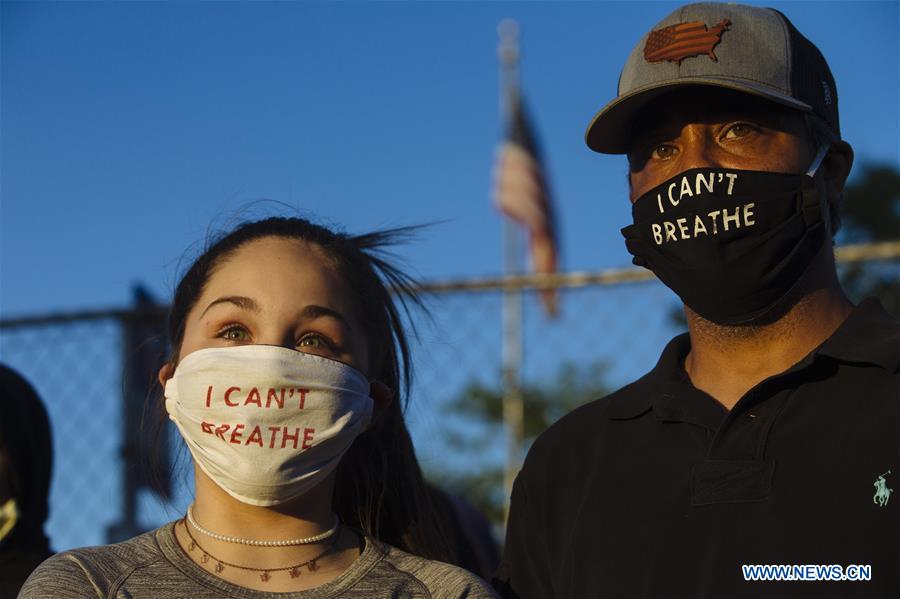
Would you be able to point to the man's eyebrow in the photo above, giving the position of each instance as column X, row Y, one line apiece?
column 244, row 303
column 656, row 131
column 313, row 311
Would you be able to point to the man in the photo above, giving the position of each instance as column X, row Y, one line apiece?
column 758, row 437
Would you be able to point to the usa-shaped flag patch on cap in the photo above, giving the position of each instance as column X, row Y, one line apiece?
column 684, row 40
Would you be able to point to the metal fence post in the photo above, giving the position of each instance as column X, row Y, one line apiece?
column 143, row 352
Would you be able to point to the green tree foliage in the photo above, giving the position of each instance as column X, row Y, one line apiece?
column 483, row 445
column 871, row 212
column 871, row 208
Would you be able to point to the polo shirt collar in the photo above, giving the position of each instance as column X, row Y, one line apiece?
column 654, row 387
column 869, row 336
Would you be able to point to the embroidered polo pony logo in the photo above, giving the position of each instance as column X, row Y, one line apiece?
column 677, row 42
column 882, row 491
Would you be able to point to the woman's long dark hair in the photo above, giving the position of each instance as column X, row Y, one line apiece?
column 379, row 488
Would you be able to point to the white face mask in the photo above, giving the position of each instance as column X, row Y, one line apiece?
column 267, row 423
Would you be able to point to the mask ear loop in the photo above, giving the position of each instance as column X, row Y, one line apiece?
column 819, row 210
column 817, row 161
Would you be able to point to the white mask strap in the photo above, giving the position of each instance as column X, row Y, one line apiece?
column 817, row 161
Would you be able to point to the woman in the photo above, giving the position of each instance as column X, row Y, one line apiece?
column 289, row 358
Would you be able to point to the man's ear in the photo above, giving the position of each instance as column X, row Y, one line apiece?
column 165, row 373
column 381, row 394
column 837, row 163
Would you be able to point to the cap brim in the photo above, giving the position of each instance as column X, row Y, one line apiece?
column 609, row 130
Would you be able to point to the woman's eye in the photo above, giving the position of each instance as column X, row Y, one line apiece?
column 314, row 341
column 311, row 341
column 234, row 334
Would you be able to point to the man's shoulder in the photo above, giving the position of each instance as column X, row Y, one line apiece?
column 584, row 426
column 869, row 335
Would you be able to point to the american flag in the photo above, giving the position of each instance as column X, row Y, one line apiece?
column 522, row 194
column 677, row 42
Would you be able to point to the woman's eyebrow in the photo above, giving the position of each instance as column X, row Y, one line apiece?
column 315, row 311
column 244, row 303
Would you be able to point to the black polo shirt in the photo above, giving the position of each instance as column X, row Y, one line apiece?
column 658, row 491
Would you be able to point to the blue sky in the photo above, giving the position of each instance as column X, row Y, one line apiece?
column 128, row 129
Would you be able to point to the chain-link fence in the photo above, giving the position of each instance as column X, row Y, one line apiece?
column 92, row 370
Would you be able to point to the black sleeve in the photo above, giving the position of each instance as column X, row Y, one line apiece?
column 524, row 571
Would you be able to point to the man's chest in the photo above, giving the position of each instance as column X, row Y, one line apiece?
column 676, row 509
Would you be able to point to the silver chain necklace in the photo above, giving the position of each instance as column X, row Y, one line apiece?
column 285, row 543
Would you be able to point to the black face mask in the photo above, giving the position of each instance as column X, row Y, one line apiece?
column 730, row 243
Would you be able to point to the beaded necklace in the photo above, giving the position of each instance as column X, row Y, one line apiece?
column 336, row 523
column 265, row 573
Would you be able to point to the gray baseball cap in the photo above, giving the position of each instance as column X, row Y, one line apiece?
column 744, row 48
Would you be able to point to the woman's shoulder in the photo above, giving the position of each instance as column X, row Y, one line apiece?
column 439, row 579
column 90, row 571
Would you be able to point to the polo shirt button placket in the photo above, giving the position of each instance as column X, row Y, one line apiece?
column 735, row 470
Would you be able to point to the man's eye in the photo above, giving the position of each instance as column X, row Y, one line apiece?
column 234, row 334
column 662, row 152
column 737, row 131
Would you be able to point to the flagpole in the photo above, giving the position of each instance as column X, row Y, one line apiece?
column 513, row 409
